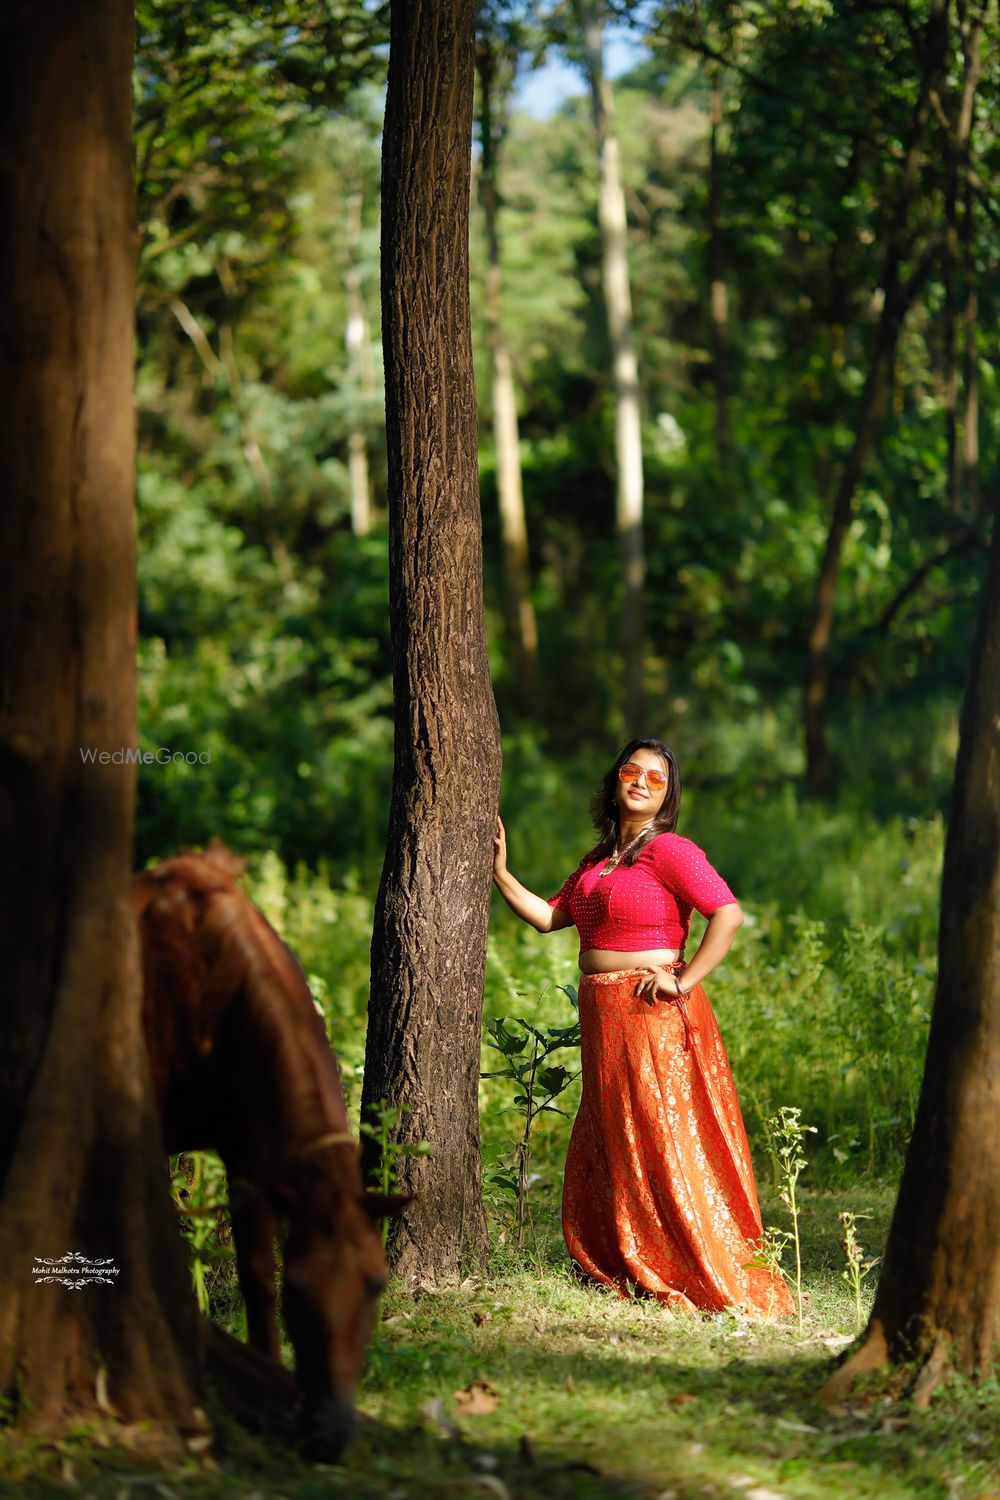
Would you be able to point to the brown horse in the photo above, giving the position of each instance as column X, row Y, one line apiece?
column 241, row 1064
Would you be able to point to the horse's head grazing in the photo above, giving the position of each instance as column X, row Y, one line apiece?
column 334, row 1272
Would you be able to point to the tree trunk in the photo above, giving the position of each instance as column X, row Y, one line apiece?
column 959, row 150
column 625, row 370
column 717, row 282
column 521, row 627
column 81, row 1170
column 939, row 1292
column 429, row 942
column 971, row 26
column 970, row 365
column 359, row 368
column 897, row 299
column 949, row 261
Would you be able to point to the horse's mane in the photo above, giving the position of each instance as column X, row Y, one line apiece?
column 204, row 945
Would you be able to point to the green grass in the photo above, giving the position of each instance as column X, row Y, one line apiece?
column 595, row 1396
column 823, row 1005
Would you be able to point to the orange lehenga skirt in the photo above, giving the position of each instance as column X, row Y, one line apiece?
column 659, row 1189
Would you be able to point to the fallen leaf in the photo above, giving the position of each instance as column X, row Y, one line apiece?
column 681, row 1399
column 477, row 1400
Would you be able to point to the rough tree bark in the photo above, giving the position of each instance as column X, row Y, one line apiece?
column 939, row 1292
column 521, row 626
column 625, row 368
column 80, row 1164
column 898, row 297
column 429, row 942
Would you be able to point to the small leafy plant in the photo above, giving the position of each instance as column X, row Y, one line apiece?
column 784, row 1142
column 390, row 1151
column 858, row 1264
column 768, row 1255
column 526, row 1049
column 198, row 1186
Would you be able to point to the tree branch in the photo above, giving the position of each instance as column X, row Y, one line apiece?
column 970, row 542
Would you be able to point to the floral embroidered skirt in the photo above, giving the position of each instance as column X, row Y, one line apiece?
column 659, row 1189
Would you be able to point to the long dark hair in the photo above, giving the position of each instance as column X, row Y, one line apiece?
column 604, row 807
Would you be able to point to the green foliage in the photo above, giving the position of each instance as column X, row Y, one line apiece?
column 858, row 1264
column 381, row 1128
column 784, row 1142
column 263, row 621
column 526, row 1051
column 198, row 1189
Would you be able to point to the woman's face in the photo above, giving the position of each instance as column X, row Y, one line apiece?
column 637, row 798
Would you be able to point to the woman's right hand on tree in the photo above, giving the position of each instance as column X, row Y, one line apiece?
column 499, row 850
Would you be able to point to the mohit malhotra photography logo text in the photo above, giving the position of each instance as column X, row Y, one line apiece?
column 131, row 755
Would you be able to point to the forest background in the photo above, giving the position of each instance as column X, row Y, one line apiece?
column 263, row 583
column 762, row 149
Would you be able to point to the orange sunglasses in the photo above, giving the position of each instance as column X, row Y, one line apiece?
column 630, row 772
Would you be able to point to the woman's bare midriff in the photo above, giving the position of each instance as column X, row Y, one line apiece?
column 605, row 961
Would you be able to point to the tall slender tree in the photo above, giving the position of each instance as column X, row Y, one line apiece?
column 429, row 942
column 497, row 51
column 359, row 361
column 898, row 292
column 80, row 1164
column 939, row 1293
column 624, row 362
column 718, row 289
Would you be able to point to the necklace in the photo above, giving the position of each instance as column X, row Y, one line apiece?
column 619, row 854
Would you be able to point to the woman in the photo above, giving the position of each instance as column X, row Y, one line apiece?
column 659, row 1189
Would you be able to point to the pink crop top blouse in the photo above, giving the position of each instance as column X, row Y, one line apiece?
column 646, row 905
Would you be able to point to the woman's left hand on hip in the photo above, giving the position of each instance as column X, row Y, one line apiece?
column 661, row 984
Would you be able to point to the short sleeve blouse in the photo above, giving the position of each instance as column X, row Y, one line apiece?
column 646, row 905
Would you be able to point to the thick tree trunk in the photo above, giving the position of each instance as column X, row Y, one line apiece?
column 80, row 1165
column 522, row 631
column 717, row 282
column 625, row 369
column 939, row 1292
column 359, row 367
column 429, row 943
column 897, row 299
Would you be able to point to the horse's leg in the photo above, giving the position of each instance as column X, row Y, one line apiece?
column 253, row 1238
